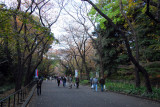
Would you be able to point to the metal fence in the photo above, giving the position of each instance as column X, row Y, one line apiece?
column 18, row 97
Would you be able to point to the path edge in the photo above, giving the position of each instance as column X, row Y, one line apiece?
column 29, row 97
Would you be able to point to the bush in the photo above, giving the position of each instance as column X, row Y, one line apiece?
column 132, row 90
column 84, row 82
column 6, row 87
column 153, row 65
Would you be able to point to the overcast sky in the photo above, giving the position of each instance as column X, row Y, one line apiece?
column 63, row 21
column 57, row 28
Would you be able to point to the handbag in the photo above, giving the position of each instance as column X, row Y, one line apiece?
column 92, row 86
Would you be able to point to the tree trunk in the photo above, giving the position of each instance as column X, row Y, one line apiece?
column 101, row 66
column 18, row 76
column 138, row 81
column 87, row 71
column 28, row 72
column 75, row 57
column 136, row 43
column 139, row 67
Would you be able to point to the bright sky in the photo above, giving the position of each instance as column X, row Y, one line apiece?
column 63, row 21
column 58, row 27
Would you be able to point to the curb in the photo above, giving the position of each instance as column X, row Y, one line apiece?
column 29, row 97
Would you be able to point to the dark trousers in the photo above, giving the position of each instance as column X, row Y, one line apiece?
column 77, row 84
column 102, row 85
column 38, row 90
column 58, row 83
column 64, row 84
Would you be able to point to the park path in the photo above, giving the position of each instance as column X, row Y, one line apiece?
column 54, row 96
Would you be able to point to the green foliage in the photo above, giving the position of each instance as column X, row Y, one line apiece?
column 110, row 42
column 129, row 88
column 123, row 59
column 84, row 82
column 154, row 65
column 6, row 87
column 147, row 30
column 111, row 9
column 153, row 69
column 35, row 34
column 148, row 34
column 47, row 66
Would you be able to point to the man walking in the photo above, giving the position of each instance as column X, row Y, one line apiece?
column 64, row 81
column 95, row 82
column 39, row 83
column 70, row 81
column 102, row 82
column 77, row 82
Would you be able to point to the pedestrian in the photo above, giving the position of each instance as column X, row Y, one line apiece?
column 95, row 83
column 77, row 82
column 39, row 83
column 70, row 81
column 91, row 79
column 102, row 83
column 58, row 81
column 64, row 81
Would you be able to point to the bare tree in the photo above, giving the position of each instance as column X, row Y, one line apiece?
column 75, row 54
column 81, row 17
column 80, row 39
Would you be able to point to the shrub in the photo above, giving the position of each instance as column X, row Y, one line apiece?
column 132, row 90
column 84, row 82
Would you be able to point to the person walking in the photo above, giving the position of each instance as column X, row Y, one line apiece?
column 95, row 83
column 77, row 82
column 91, row 81
column 58, row 81
column 39, row 83
column 102, row 83
column 70, row 81
column 64, row 81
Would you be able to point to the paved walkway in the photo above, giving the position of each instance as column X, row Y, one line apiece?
column 54, row 96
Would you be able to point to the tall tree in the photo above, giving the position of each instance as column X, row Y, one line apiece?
column 140, row 68
column 136, row 42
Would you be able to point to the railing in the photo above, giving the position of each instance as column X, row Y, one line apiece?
column 17, row 97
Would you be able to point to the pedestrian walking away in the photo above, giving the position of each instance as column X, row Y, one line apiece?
column 77, row 82
column 91, row 81
column 102, row 83
column 39, row 83
column 58, row 81
column 64, row 81
column 70, row 81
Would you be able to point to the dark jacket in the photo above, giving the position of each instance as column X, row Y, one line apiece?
column 77, row 80
column 39, row 83
column 64, row 79
column 102, row 81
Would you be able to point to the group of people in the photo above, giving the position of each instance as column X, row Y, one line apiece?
column 94, row 83
column 70, row 81
column 63, row 79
